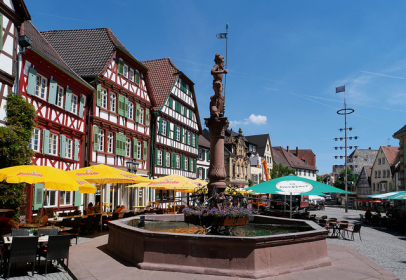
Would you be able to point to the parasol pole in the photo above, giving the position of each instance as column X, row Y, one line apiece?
column 290, row 205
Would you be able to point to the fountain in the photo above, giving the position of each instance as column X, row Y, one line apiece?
column 148, row 244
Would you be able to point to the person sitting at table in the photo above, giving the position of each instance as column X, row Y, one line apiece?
column 89, row 210
column 368, row 216
column 41, row 218
column 7, row 223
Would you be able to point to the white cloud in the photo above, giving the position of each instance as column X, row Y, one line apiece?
column 253, row 119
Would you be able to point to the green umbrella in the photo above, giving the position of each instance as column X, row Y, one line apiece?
column 391, row 195
column 293, row 185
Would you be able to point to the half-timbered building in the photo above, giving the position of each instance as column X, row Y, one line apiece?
column 119, row 111
column 12, row 14
column 59, row 96
column 176, row 122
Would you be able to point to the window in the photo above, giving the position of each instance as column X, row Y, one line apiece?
column 379, row 174
column 200, row 175
column 200, row 154
column 41, row 87
column 128, row 147
column 110, row 139
column 388, row 173
column 177, row 161
column 159, row 161
column 178, row 134
column 376, row 174
column 383, row 160
column 139, row 149
column 186, row 163
column 163, row 128
column 59, row 97
column 103, row 99
column 168, row 159
column 130, row 110
column 132, row 75
column 65, row 198
column 189, row 138
column 193, row 139
column 74, row 107
column 141, row 115
column 112, row 102
column 384, row 174
column 53, row 144
column 35, row 138
column 69, row 148
column 100, row 140
column 125, row 72
column 379, row 161
column 50, row 198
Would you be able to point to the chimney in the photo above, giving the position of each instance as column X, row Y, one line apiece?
column 297, row 151
column 287, row 148
column 369, row 147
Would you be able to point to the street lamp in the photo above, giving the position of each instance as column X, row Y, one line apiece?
column 132, row 167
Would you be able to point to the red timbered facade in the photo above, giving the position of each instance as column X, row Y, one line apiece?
column 119, row 117
column 12, row 14
column 59, row 96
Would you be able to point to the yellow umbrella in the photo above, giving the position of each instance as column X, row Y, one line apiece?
column 87, row 189
column 199, row 182
column 52, row 178
column 139, row 185
column 103, row 174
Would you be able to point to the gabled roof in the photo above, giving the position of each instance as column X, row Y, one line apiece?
column 20, row 13
column 259, row 140
column 87, row 51
column 307, row 155
column 391, row 153
column 42, row 47
column 280, row 155
column 203, row 142
column 163, row 74
column 400, row 132
column 362, row 157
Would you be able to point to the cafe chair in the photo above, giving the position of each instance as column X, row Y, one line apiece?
column 355, row 229
column 57, row 249
column 96, row 222
column 87, row 225
column 47, row 231
column 20, row 232
column 74, row 232
column 23, row 250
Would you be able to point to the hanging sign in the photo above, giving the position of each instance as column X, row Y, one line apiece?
column 293, row 187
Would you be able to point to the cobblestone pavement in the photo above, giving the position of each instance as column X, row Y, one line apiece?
column 57, row 271
column 385, row 247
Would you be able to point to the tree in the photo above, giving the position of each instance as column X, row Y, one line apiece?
column 319, row 178
column 14, row 147
column 279, row 171
column 339, row 183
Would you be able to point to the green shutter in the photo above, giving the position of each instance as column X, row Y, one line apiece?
column 45, row 142
column 190, row 164
column 82, row 105
column 190, row 114
column 146, row 117
column 181, row 134
column 135, row 146
column 203, row 155
column 1, row 32
column 78, row 199
column 171, row 103
column 126, row 107
column 62, row 146
column 38, row 195
column 120, row 67
column 160, row 126
column 194, row 165
column 98, row 89
column 120, row 105
column 175, row 131
column 53, row 86
column 156, row 157
column 68, row 100
column 32, row 81
column 203, row 173
column 118, row 152
column 168, row 128
column 137, row 78
column 163, row 158
column 144, row 155
column 197, row 141
column 137, row 112
column 95, row 138
column 76, row 150
column 208, row 155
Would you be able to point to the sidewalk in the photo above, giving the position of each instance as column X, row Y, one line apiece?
column 91, row 260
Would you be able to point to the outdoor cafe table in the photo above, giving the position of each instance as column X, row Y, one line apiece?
column 9, row 239
column 35, row 226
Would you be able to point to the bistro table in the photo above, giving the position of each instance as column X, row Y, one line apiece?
column 9, row 239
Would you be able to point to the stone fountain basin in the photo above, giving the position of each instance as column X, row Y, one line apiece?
column 250, row 257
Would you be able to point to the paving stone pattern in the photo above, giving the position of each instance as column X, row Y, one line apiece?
column 385, row 247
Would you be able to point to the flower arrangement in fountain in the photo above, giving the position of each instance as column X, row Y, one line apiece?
column 235, row 212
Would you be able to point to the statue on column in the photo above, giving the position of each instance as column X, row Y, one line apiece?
column 217, row 100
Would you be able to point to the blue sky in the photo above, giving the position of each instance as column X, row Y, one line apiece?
column 284, row 58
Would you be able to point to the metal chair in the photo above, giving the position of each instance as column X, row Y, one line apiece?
column 47, row 231
column 57, row 249
column 74, row 232
column 20, row 232
column 355, row 229
column 23, row 249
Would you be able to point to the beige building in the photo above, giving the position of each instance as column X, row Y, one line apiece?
column 382, row 179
